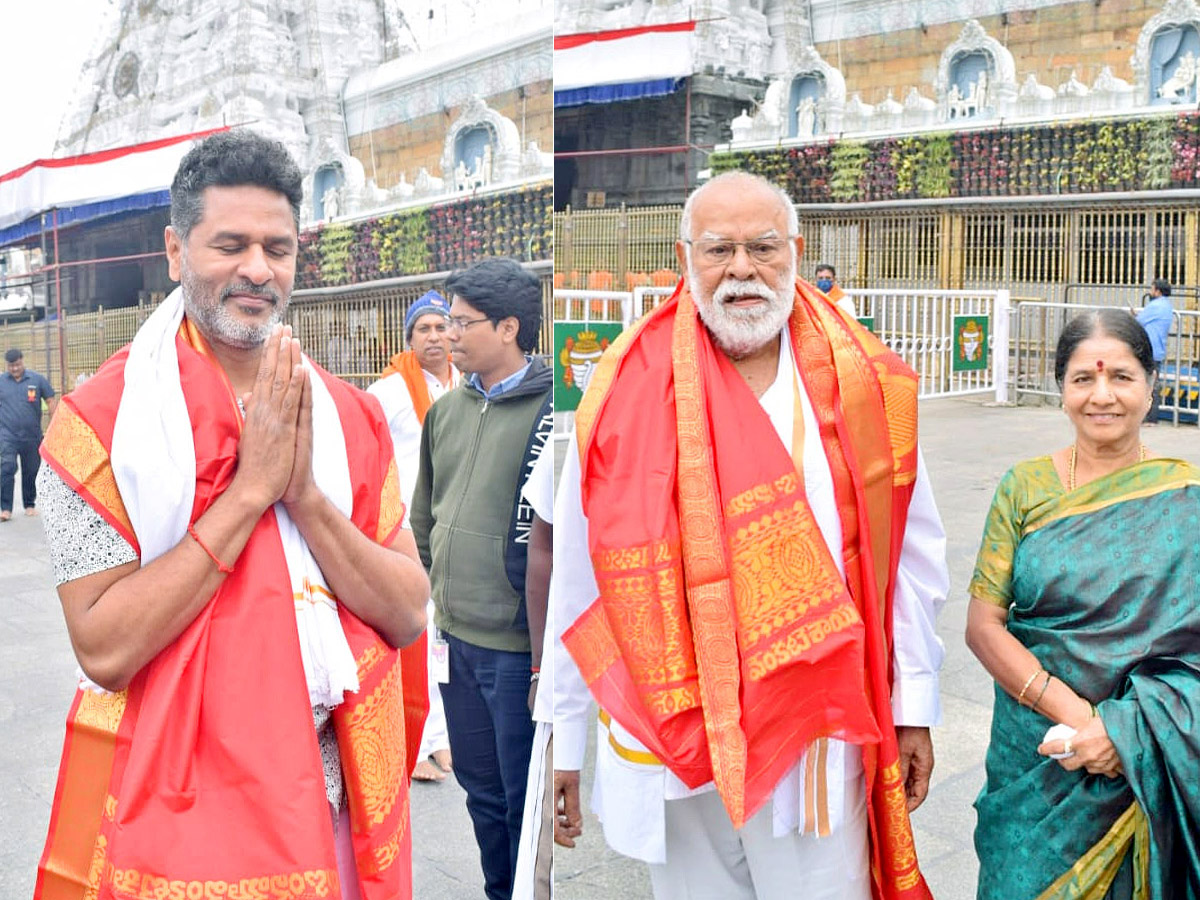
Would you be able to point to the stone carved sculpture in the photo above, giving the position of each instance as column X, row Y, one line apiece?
column 1178, row 88
column 806, row 118
column 331, row 203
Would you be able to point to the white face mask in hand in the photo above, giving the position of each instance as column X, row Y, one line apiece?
column 1059, row 733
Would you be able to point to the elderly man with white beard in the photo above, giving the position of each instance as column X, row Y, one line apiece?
column 748, row 563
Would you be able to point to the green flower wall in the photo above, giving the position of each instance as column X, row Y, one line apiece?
column 1064, row 158
column 436, row 238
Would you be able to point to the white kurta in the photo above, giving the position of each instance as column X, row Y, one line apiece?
column 629, row 795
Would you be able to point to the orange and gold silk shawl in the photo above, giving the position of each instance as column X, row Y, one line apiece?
column 724, row 638
column 406, row 365
column 204, row 778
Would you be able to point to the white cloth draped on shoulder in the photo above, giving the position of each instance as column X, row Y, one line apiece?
column 154, row 462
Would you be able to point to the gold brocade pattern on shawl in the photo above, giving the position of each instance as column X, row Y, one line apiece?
column 771, row 556
column 378, row 723
column 900, row 403
column 710, row 594
column 96, row 870
column 101, row 711
column 762, row 494
column 643, row 585
column 315, row 884
column 76, row 447
column 796, row 643
column 391, row 506
column 897, row 826
column 373, row 656
column 384, row 855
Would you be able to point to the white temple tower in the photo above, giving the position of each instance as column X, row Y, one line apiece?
column 170, row 67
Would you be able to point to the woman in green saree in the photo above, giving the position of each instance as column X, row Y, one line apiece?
column 1084, row 609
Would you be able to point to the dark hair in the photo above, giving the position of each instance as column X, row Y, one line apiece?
column 499, row 288
column 232, row 159
column 1113, row 323
column 11, row 356
column 1163, row 286
column 821, row 267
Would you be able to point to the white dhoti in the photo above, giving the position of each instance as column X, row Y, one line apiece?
column 435, row 736
column 534, row 876
column 708, row 860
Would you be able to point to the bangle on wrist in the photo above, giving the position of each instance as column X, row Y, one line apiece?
column 1025, row 687
column 221, row 567
column 535, row 675
column 1042, row 694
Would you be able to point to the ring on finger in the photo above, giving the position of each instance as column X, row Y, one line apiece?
column 1067, row 747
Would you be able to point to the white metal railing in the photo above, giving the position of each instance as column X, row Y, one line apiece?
column 593, row 306
column 1035, row 333
column 919, row 326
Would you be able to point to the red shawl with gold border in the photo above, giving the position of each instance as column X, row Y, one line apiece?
column 723, row 637
column 204, row 779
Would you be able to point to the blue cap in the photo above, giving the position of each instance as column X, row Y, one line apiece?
column 429, row 302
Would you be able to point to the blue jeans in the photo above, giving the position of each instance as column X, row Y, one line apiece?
column 491, row 737
column 27, row 452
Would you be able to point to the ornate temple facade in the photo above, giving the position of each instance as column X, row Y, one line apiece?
column 169, row 67
column 392, row 108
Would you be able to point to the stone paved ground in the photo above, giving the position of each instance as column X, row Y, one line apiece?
column 967, row 444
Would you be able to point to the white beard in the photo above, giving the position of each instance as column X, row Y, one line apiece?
column 741, row 331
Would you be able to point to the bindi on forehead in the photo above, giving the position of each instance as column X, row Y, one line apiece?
column 1099, row 365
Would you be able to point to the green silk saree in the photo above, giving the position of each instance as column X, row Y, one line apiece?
column 1103, row 586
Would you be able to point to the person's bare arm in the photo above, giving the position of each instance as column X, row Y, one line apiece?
column 386, row 587
column 120, row 619
column 1011, row 665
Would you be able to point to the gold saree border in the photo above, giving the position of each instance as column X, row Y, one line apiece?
column 1092, row 874
column 1147, row 479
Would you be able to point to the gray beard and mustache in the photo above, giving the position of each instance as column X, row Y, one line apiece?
column 216, row 321
column 741, row 331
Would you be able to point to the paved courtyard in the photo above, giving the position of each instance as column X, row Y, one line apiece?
column 968, row 445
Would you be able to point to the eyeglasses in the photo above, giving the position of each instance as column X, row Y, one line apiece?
column 720, row 253
column 458, row 323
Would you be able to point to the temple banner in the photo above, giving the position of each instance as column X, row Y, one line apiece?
column 578, row 347
column 970, row 343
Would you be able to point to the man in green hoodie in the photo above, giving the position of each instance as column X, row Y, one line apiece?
column 472, row 527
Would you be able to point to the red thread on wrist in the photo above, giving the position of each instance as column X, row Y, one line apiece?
column 221, row 567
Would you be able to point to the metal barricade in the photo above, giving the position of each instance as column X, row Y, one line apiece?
column 647, row 298
column 593, row 306
column 1035, row 333
column 920, row 326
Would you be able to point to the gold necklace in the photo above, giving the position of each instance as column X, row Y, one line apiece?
column 1074, row 455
